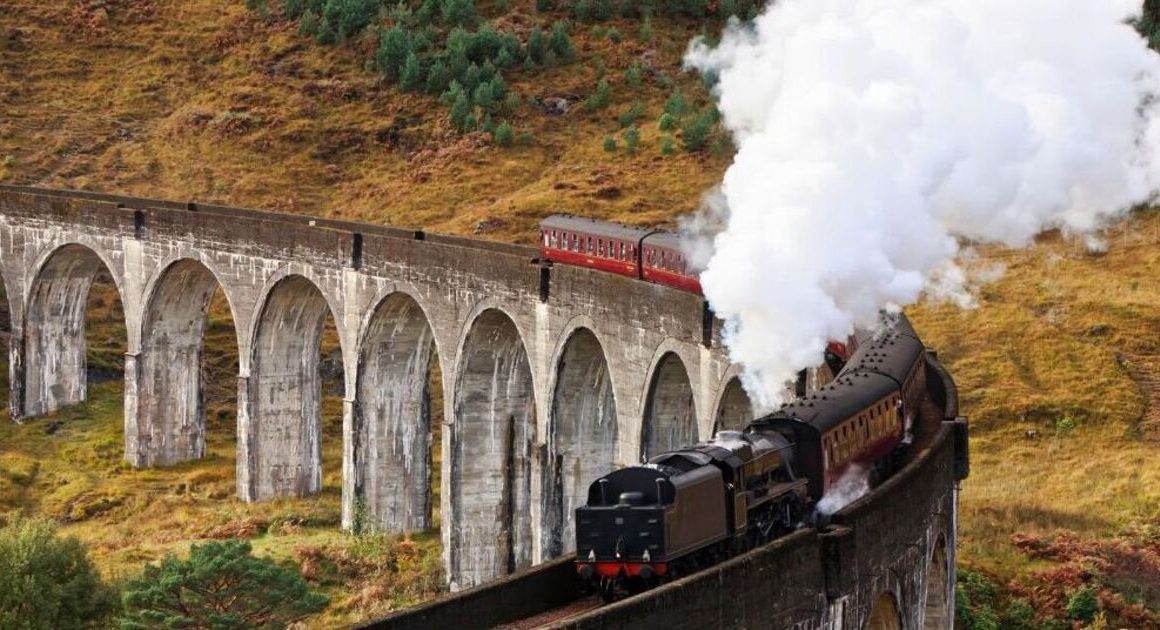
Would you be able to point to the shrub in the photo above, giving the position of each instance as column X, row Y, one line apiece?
column 695, row 133
column 438, row 77
column 582, row 10
column 631, row 115
column 412, row 78
column 646, row 30
column 394, row 47
column 348, row 18
column 634, row 76
column 603, row 9
column 47, row 581
column 504, row 136
column 676, row 104
column 609, row 144
column 631, row 139
column 600, row 98
column 559, row 42
column 458, row 12
column 220, row 585
column 537, row 44
column 1082, row 605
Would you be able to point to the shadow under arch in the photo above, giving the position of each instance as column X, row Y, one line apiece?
column 281, row 427
column 937, row 610
column 670, row 415
column 884, row 615
column 491, row 459
column 735, row 410
column 171, row 396
column 582, row 436
column 54, row 349
column 394, row 424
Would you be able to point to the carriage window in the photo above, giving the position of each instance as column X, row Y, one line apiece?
column 600, row 246
column 622, row 251
column 590, row 249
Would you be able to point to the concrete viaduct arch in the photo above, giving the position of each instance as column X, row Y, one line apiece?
column 550, row 373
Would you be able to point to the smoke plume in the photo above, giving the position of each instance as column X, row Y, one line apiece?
column 872, row 134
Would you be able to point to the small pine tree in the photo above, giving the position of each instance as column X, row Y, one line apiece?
column 646, row 30
column 676, row 104
column 427, row 12
column 511, row 45
column 614, row 35
column 503, row 135
column 401, row 13
column 634, row 76
column 600, row 98
column 631, row 139
column 458, row 12
column 543, row 6
column 560, row 43
column 603, row 9
column 499, row 90
column 667, row 147
column 629, row 8
column 462, row 113
column 609, row 144
column 438, row 77
column 728, row 8
column 482, row 97
column 394, row 47
column 537, row 45
column 502, row 6
column 220, row 585
column 412, row 77
column 667, row 122
column 631, row 115
column 695, row 133
column 504, row 59
column 471, row 78
column 582, row 10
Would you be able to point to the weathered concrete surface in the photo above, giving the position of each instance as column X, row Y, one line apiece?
column 516, row 430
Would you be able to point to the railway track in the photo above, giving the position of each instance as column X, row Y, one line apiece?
column 562, row 614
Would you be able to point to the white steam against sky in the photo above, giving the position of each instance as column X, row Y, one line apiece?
column 872, row 133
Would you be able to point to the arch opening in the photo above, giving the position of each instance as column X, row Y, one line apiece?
column 670, row 418
column 937, row 609
column 187, row 366
column 398, row 420
column 61, row 352
column 582, row 437
column 885, row 615
column 296, row 385
column 491, row 442
column 735, row 411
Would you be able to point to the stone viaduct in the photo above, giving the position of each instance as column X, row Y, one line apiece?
column 551, row 375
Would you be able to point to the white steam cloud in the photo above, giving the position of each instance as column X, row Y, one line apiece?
column 872, row 133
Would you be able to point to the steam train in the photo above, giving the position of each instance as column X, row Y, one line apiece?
column 691, row 507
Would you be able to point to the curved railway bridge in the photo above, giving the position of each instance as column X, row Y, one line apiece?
column 551, row 376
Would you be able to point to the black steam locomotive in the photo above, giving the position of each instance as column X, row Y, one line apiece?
column 694, row 506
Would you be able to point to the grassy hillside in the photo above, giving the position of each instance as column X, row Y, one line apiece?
column 207, row 99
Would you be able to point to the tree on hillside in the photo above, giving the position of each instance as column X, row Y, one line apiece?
column 48, row 582
column 220, row 585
